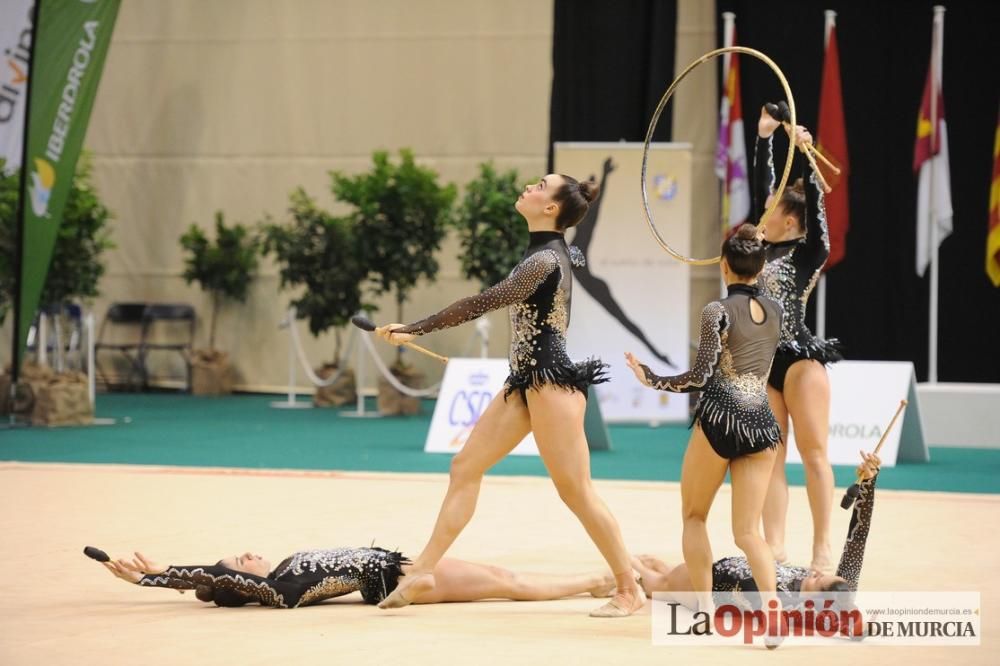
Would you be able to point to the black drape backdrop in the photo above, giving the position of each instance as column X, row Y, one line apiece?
column 876, row 302
column 611, row 64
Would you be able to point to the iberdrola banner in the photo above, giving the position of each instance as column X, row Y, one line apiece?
column 70, row 41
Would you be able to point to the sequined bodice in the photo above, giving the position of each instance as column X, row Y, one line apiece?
column 538, row 324
column 733, row 349
column 790, row 281
column 538, row 292
column 793, row 266
column 733, row 574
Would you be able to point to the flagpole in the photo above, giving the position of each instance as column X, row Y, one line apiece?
column 728, row 28
column 831, row 20
column 937, row 48
column 15, row 356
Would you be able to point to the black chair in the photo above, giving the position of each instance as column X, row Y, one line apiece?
column 166, row 316
column 123, row 316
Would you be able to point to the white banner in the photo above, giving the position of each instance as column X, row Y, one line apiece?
column 863, row 397
column 631, row 296
column 468, row 386
column 15, row 43
column 820, row 619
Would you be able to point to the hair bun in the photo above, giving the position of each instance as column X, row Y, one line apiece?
column 745, row 240
column 589, row 189
column 746, row 231
column 798, row 187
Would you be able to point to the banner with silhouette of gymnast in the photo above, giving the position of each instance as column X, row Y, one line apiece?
column 631, row 296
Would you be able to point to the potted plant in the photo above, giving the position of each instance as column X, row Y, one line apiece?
column 401, row 215
column 318, row 251
column 492, row 233
column 223, row 268
column 74, row 273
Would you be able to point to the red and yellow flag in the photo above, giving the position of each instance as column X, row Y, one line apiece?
column 993, row 236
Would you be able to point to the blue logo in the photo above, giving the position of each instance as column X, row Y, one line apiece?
column 665, row 186
column 467, row 406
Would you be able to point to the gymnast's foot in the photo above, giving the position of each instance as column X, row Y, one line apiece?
column 605, row 587
column 622, row 604
column 411, row 586
column 648, row 576
column 780, row 556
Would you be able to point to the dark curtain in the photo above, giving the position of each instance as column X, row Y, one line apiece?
column 612, row 61
column 876, row 302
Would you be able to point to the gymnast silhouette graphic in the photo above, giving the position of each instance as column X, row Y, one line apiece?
column 594, row 285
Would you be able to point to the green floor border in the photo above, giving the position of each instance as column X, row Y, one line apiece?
column 244, row 431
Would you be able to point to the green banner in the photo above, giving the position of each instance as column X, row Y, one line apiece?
column 70, row 43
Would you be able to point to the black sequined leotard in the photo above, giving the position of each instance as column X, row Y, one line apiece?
column 730, row 369
column 732, row 574
column 538, row 292
column 792, row 269
column 305, row 578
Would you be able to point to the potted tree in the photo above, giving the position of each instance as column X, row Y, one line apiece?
column 401, row 214
column 223, row 268
column 491, row 231
column 318, row 251
column 74, row 273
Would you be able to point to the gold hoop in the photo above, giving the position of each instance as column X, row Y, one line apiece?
column 652, row 128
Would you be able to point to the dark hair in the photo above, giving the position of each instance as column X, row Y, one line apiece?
column 574, row 198
column 744, row 252
column 838, row 586
column 220, row 595
column 793, row 202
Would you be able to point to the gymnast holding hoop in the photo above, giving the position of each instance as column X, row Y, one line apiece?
column 798, row 245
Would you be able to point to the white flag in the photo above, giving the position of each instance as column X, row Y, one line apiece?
column 930, row 157
column 942, row 201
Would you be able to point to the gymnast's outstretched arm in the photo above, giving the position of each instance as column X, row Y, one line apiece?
column 713, row 323
column 857, row 534
column 526, row 277
column 141, row 571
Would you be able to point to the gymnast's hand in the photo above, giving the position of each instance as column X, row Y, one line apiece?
column 869, row 468
column 143, row 565
column 638, row 368
column 388, row 334
column 121, row 569
column 802, row 137
column 767, row 124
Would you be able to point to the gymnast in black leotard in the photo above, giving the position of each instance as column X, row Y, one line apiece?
column 798, row 246
column 734, row 429
column 545, row 391
column 313, row 576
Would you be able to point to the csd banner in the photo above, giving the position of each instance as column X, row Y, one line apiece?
column 863, row 397
column 631, row 296
column 67, row 50
column 466, row 390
